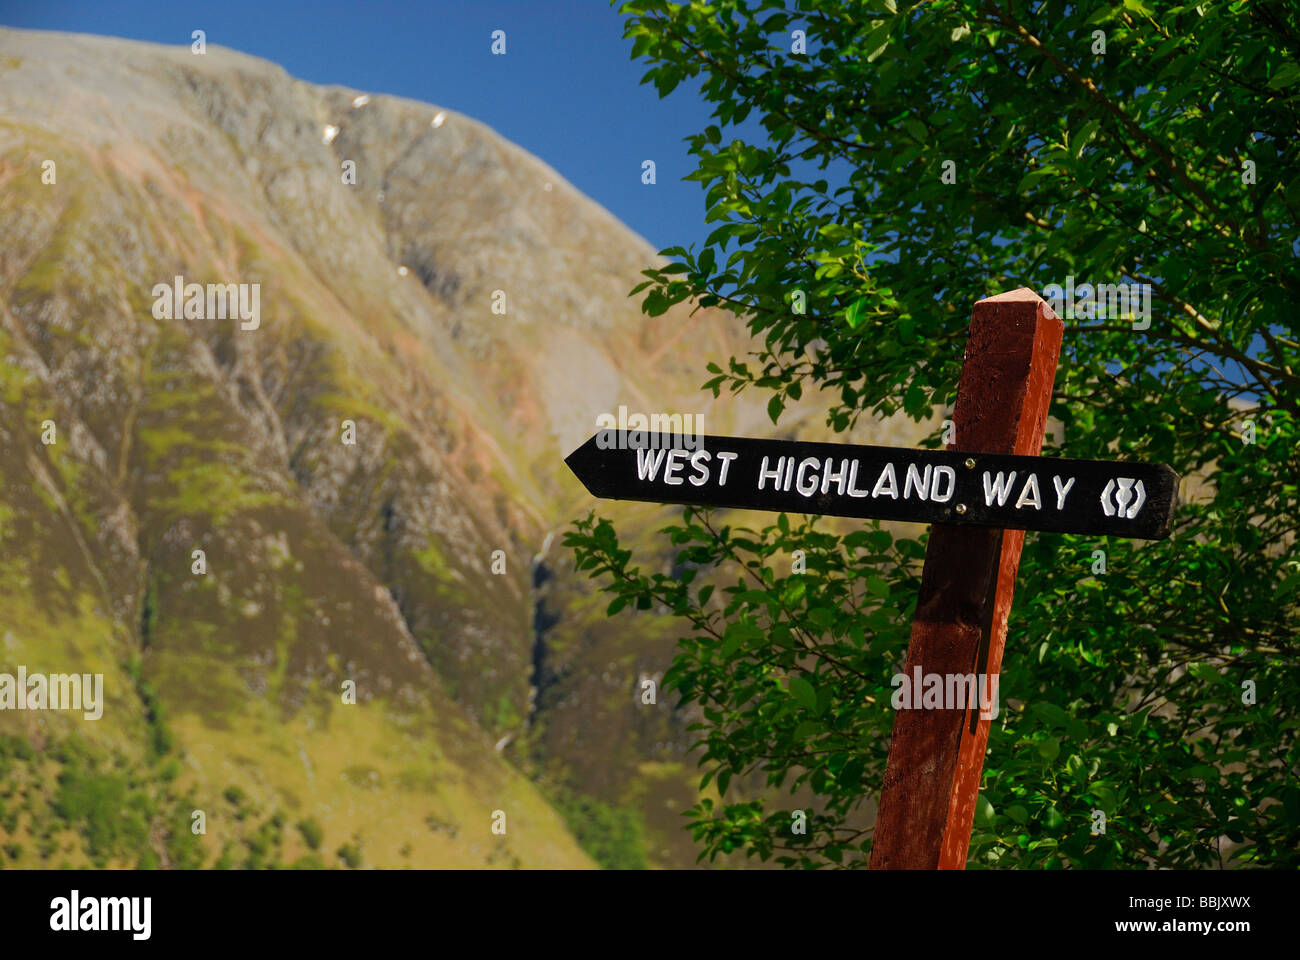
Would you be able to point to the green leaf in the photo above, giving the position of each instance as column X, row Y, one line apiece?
column 823, row 617
column 803, row 692
column 1206, row 673
column 1288, row 75
column 1051, row 713
column 1084, row 135
column 877, row 40
column 1104, row 795
column 806, row 729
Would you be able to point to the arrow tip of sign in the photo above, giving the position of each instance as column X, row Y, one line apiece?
column 1163, row 506
column 576, row 455
column 582, row 464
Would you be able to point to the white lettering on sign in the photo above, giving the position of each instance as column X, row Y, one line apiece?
column 887, row 485
column 837, row 477
column 1029, row 495
column 676, row 460
column 813, row 477
column 726, row 459
column 853, row 483
column 701, row 475
column 918, row 481
column 647, row 463
column 674, row 464
column 1061, row 491
column 805, row 486
column 999, row 489
column 951, row 474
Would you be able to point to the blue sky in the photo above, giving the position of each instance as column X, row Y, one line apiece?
column 565, row 90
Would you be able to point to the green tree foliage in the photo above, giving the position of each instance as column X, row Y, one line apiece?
column 612, row 835
column 1168, row 156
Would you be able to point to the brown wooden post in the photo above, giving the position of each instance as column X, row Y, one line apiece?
column 936, row 757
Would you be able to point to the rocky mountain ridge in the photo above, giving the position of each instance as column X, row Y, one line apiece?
column 361, row 495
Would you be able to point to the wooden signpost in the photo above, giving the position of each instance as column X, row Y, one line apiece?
column 980, row 496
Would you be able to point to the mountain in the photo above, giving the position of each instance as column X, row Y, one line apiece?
column 381, row 652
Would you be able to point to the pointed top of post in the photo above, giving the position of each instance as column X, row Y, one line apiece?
column 1020, row 293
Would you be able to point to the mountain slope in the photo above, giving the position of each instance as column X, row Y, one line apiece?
column 328, row 564
column 373, row 472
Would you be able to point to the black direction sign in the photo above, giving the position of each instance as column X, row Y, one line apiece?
column 1111, row 498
